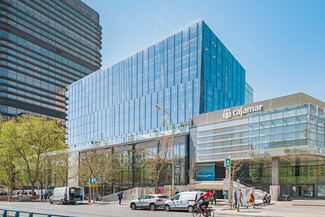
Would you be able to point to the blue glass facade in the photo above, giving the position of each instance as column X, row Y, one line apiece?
column 45, row 46
column 189, row 73
column 222, row 77
column 249, row 94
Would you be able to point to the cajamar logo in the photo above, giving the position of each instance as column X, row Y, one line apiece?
column 228, row 113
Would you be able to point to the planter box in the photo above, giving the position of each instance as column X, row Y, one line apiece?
column 25, row 198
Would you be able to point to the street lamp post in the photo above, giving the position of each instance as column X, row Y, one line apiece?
column 173, row 163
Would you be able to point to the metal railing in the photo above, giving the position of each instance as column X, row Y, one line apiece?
column 256, row 187
column 16, row 213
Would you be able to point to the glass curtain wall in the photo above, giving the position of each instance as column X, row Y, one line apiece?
column 45, row 46
column 293, row 126
column 223, row 78
column 117, row 104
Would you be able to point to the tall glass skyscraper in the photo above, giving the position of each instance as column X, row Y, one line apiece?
column 249, row 94
column 189, row 73
column 44, row 46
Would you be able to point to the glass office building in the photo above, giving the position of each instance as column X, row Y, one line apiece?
column 249, row 94
column 280, row 142
column 189, row 73
column 45, row 46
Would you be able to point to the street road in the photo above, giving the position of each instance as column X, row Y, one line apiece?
column 85, row 210
column 276, row 209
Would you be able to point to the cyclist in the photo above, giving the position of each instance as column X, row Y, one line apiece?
column 205, row 202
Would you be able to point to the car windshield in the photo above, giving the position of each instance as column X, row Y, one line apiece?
column 162, row 197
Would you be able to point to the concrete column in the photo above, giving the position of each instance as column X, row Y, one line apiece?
column 275, row 187
column 275, row 170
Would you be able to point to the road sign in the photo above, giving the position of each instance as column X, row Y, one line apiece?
column 178, row 169
column 227, row 162
column 93, row 182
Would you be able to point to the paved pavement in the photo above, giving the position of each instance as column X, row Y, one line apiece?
column 93, row 210
column 276, row 209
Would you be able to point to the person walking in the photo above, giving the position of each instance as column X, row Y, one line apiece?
column 235, row 198
column 241, row 197
column 120, row 197
column 251, row 198
column 215, row 197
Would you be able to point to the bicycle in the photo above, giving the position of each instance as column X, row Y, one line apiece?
column 197, row 212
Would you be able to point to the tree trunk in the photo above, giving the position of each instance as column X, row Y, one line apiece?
column 157, row 181
column 158, row 177
column 9, row 188
column 112, row 191
column 33, row 188
column 42, row 191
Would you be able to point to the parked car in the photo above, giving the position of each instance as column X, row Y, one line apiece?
column 67, row 195
column 151, row 201
column 182, row 201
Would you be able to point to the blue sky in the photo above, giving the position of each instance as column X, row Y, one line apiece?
column 280, row 43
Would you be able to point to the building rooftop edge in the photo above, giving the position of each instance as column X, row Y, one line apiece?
column 146, row 47
column 269, row 104
column 74, row 5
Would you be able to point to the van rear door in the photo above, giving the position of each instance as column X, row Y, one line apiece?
column 78, row 194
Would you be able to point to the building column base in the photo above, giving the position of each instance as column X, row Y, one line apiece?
column 275, row 192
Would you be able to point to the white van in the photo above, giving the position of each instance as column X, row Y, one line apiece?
column 67, row 195
column 182, row 201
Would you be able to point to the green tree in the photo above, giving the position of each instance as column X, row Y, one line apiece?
column 31, row 138
column 164, row 122
column 182, row 124
column 8, row 157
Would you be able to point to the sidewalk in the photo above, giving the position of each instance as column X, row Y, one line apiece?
column 275, row 209
column 115, row 203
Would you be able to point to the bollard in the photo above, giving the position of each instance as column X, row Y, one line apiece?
column 4, row 214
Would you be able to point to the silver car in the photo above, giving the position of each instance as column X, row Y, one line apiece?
column 151, row 201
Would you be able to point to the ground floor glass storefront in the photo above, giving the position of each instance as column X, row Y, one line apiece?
column 299, row 176
column 133, row 169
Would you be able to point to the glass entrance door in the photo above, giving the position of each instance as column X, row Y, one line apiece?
column 303, row 190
